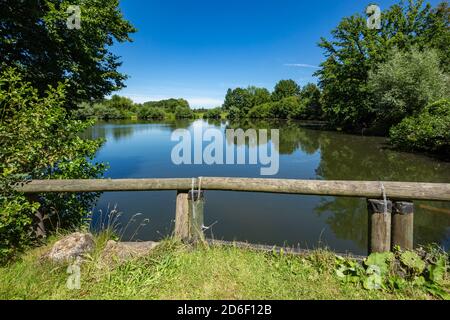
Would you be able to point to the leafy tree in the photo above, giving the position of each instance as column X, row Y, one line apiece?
column 288, row 108
column 240, row 99
column 39, row 141
column 121, row 103
column 34, row 38
column 146, row 112
column 356, row 49
column 405, row 84
column 428, row 130
column 310, row 97
column 215, row 113
column 284, row 89
column 259, row 95
column 261, row 111
column 235, row 113
column 183, row 113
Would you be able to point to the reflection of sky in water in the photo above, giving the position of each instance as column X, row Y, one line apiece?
column 143, row 150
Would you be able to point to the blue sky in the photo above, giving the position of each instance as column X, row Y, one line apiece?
column 196, row 49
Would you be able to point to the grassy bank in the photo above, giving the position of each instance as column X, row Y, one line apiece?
column 176, row 271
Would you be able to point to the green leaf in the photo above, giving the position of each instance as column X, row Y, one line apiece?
column 381, row 260
column 412, row 260
column 437, row 271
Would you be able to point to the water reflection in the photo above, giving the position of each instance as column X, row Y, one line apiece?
column 142, row 149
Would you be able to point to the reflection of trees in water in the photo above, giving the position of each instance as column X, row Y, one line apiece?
column 348, row 218
column 346, row 157
column 292, row 136
column 121, row 129
column 214, row 122
column 431, row 221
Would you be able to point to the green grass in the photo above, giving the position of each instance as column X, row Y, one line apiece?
column 176, row 271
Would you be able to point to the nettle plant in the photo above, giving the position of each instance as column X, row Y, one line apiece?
column 38, row 140
column 426, row 268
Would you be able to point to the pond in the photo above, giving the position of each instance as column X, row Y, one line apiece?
column 139, row 149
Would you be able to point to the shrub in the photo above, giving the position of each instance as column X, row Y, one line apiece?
column 262, row 111
column 405, row 84
column 39, row 141
column 287, row 108
column 146, row 112
column 427, row 131
column 182, row 112
column 215, row 113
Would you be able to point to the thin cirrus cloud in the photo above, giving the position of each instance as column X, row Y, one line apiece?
column 301, row 65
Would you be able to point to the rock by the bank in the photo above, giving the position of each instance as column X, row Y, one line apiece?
column 72, row 247
column 123, row 251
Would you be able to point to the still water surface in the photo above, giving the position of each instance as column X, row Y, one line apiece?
column 136, row 149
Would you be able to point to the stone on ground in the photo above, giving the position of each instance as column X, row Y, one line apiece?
column 72, row 247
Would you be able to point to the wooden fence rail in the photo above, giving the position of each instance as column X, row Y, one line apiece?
column 364, row 189
column 389, row 203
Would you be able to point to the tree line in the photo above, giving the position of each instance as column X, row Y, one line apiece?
column 118, row 107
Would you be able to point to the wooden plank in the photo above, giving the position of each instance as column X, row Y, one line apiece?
column 367, row 189
column 100, row 185
column 364, row 189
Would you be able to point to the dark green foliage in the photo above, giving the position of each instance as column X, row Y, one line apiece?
column 122, row 104
column 284, row 89
column 182, row 112
column 427, row 131
column 147, row 112
column 310, row 97
column 259, row 95
column 39, row 141
column 169, row 105
column 290, row 107
column 215, row 113
column 238, row 102
column 261, row 111
column 35, row 39
column 287, row 101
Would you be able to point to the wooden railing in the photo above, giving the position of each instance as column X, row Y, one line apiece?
column 389, row 203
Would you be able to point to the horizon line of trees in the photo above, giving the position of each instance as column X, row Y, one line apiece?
column 287, row 101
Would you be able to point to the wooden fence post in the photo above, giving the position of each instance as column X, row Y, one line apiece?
column 402, row 225
column 182, row 224
column 379, row 225
column 196, row 206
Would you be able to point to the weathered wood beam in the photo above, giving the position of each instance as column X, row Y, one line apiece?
column 365, row 189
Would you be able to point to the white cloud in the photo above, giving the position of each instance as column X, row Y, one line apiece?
column 301, row 65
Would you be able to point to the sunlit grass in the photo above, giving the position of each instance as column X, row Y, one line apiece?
column 177, row 271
